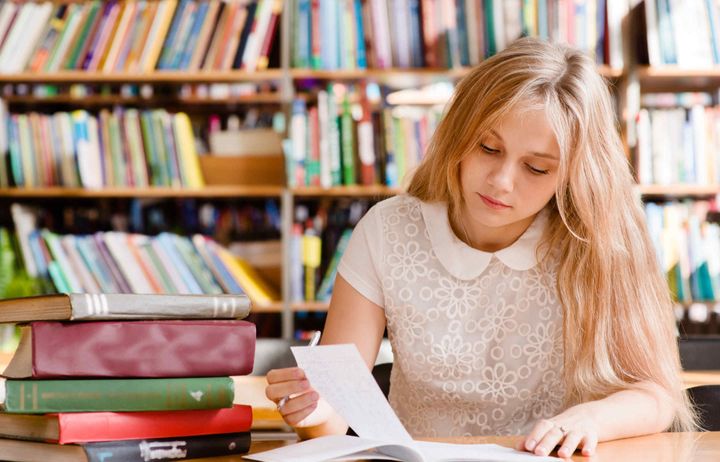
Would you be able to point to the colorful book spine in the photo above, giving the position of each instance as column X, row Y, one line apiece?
column 117, row 395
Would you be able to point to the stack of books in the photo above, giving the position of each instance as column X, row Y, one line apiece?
column 126, row 377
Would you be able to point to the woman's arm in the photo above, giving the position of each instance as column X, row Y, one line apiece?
column 644, row 409
column 352, row 318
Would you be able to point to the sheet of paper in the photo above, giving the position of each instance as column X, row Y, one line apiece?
column 340, row 375
column 433, row 451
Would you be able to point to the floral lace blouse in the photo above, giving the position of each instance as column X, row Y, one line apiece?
column 476, row 336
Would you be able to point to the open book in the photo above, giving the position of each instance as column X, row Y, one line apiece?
column 338, row 448
column 339, row 374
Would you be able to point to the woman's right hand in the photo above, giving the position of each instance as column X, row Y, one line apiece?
column 301, row 400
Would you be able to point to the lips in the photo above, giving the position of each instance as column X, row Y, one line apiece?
column 493, row 203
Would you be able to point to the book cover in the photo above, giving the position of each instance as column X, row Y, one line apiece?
column 86, row 427
column 75, row 306
column 115, row 395
column 142, row 450
column 164, row 348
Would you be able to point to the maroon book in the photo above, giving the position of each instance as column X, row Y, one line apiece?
column 196, row 348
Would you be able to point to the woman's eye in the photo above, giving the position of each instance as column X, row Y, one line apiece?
column 488, row 149
column 537, row 171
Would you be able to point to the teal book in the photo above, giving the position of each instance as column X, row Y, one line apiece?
column 115, row 395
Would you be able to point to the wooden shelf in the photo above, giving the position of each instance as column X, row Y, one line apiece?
column 346, row 191
column 275, row 307
column 310, row 306
column 670, row 78
column 679, row 190
column 109, row 100
column 157, row 192
column 413, row 74
column 152, row 77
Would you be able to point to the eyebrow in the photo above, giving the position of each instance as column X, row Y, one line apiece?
column 537, row 154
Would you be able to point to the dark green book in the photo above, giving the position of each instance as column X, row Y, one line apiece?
column 115, row 395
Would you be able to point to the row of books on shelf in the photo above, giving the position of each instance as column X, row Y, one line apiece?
column 137, row 35
column 355, row 34
column 344, row 139
column 317, row 244
column 686, row 237
column 123, row 147
column 686, row 34
column 120, row 262
column 124, row 377
column 679, row 145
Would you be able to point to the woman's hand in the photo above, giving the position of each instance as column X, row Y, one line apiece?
column 291, row 391
column 571, row 430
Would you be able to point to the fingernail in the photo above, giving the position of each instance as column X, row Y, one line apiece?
column 540, row 451
column 530, row 445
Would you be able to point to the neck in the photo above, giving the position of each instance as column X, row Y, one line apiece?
column 488, row 238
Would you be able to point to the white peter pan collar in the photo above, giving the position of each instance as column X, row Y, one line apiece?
column 465, row 262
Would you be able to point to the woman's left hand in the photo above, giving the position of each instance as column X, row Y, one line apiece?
column 571, row 430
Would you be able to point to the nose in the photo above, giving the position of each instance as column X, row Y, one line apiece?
column 502, row 177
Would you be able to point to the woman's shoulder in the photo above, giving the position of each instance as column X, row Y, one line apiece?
column 403, row 204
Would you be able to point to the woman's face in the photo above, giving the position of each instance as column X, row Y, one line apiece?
column 512, row 173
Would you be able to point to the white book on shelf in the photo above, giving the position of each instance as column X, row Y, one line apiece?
column 474, row 31
column 381, row 33
column 324, row 135
column 24, row 218
column 16, row 33
column 698, row 126
column 499, row 24
column 117, row 244
column 616, row 11
column 644, row 148
column 7, row 14
column 253, row 46
column 31, row 35
column 691, row 30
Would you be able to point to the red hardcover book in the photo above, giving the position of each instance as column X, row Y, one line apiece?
column 86, row 427
column 146, row 349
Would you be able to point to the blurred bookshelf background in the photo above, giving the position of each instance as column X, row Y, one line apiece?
column 207, row 146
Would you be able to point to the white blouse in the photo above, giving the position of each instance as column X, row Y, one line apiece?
column 476, row 336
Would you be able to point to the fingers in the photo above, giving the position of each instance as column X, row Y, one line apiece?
column 299, row 407
column 278, row 391
column 537, row 434
column 570, row 444
column 284, row 382
column 284, row 375
column 589, row 446
column 548, row 442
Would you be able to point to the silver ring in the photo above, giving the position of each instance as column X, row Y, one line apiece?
column 282, row 402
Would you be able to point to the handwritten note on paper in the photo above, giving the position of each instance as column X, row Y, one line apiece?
column 340, row 375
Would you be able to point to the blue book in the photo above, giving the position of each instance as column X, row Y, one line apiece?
column 182, row 59
column 302, row 36
column 179, row 265
column 168, row 46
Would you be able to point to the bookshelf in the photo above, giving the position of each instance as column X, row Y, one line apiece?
column 288, row 83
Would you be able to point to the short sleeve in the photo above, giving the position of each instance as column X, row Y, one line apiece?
column 359, row 265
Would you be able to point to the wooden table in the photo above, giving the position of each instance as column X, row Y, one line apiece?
column 661, row 447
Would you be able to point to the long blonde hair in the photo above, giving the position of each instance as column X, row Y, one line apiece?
column 618, row 327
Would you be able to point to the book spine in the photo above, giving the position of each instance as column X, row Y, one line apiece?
column 109, row 306
column 117, row 395
column 87, row 427
column 177, row 448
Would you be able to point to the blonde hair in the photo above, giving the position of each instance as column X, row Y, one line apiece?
column 618, row 327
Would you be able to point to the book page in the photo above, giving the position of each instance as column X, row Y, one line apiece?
column 340, row 375
column 337, row 448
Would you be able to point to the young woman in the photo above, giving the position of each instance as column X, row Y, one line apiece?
column 516, row 279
